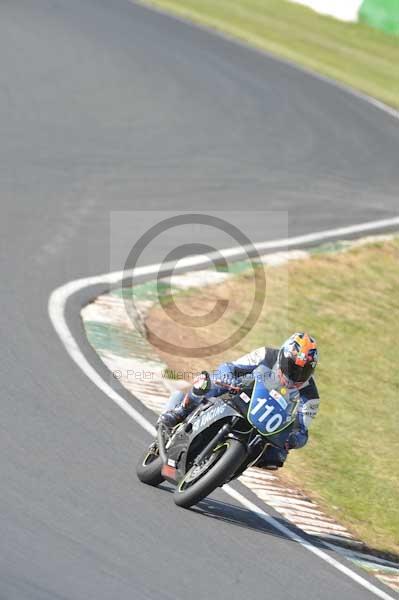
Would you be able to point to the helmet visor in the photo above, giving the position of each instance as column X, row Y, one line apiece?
column 295, row 373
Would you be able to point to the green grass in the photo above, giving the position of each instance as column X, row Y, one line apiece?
column 352, row 53
column 350, row 302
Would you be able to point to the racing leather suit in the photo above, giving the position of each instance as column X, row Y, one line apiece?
column 231, row 372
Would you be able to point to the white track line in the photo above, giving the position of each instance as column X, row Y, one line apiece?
column 236, row 252
column 56, row 308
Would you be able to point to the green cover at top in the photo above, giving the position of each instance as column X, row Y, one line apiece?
column 383, row 14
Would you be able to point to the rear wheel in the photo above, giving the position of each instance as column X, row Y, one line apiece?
column 149, row 466
column 201, row 480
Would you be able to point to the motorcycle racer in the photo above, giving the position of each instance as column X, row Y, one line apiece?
column 291, row 367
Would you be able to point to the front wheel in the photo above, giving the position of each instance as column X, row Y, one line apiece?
column 201, row 480
column 149, row 467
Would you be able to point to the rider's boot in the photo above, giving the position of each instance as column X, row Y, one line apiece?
column 173, row 417
column 176, row 415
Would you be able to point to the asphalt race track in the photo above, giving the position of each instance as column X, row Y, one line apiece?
column 107, row 106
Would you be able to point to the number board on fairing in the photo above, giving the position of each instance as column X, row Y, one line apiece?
column 267, row 411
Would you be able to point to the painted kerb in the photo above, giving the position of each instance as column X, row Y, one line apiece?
column 145, row 376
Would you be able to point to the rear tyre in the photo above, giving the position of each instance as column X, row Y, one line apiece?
column 149, row 467
column 200, row 481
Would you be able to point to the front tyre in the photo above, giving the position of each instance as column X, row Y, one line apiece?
column 200, row 481
column 149, row 466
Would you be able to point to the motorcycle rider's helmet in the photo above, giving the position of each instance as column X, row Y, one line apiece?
column 297, row 358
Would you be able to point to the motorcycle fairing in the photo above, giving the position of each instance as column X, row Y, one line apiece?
column 197, row 422
column 270, row 411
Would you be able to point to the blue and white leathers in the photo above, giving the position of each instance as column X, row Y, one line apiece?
column 232, row 372
column 272, row 408
column 308, row 394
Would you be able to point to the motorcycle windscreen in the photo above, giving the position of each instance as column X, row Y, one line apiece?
column 269, row 411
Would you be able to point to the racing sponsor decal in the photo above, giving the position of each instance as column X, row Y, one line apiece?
column 279, row 398
column 208, row 416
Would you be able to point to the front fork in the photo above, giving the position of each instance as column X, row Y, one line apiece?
column 218, row 439
column 209, row 448
column 254, row 454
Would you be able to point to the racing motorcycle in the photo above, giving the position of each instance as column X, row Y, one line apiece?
column 220, row 439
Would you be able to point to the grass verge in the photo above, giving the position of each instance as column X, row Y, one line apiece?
column 349, row 301
column 352, row 53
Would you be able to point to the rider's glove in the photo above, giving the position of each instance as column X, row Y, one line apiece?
column 202, row 384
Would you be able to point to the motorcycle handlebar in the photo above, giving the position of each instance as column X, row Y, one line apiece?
column 228, row 386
